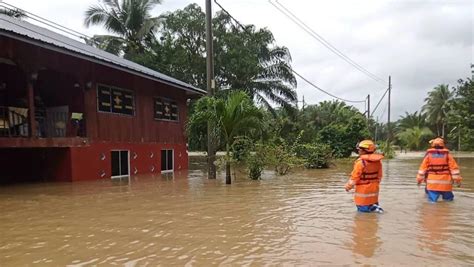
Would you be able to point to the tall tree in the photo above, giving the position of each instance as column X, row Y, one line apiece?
column 410, row 120
column 245, row 60
column 461, row 115
column 437, row 107
column 414, row 137
column 234, row 116
column 129, row 20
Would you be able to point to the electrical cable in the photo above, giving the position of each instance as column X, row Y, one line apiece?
column 51, row 24
column 376, row 106
column 290, row 15
column 291, row 69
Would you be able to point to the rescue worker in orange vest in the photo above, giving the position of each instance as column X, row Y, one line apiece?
column 439, row 170
column 366, row 177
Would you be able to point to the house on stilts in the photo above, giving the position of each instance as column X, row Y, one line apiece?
column 70, row 112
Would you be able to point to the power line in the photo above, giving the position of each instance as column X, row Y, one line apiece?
column 376, row 106
column 52, row 24
column 291, row 69
column 285, row 11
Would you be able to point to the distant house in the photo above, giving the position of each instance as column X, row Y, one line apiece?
column 70, row 112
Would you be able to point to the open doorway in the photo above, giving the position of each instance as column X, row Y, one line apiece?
column 120, row 163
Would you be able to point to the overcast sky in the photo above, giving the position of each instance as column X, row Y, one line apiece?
column 420, row 43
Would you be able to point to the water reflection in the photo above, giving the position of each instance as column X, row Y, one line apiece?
column 435, row 219
column 365, row 239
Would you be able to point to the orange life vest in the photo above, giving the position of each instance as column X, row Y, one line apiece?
column 367, row 185
column 437, row 173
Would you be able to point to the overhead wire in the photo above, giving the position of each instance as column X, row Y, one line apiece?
column 290, row 15
column 291, row 69
column 50, row 23
column 376, row 106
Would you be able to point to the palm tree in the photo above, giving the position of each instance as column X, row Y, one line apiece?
column 129, row 20
column 247, row 59
column 412, row 120
column 437, row 107
column 328, row 112
column 16, row 13
column 414, row 136
column 234, row 116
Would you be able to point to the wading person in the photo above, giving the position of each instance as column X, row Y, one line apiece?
column 439, row 170
column 366, row 177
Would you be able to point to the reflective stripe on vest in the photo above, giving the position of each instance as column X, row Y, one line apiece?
column 430, row 181
column 438, row 162
column 366, row 195
column 368, row 177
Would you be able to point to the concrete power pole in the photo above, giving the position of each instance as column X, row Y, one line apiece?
column 211, row 147
column 368, row 108
column 389, row 137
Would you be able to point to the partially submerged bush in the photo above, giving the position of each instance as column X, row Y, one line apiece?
column 281, row 158
column 255, row 165
column 241, row 148
column 315, row 156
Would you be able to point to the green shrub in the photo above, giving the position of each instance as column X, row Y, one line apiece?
column 255, row 165
column 281, row 158
column 241, row 148
column 315, row 156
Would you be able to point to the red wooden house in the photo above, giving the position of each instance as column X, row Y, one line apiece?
column 69, row 111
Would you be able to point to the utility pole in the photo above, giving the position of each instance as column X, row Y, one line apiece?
column 211, row 147
column 368, row 108
column 389, row 137
column 303, row 104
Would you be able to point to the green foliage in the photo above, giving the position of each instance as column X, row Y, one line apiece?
column 387, row 149
column 255, row 164
column 342, row 137
column 241, row 148
column 16, row 13
column 415, row 138
column 412, row 120
column 437, row 107
column 316, row 156
column 281, row 158
column 461, row 115
column 234, row 116
column 130, row 22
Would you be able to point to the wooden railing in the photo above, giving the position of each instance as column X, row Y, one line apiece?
column 52, row 123
column 13, row 122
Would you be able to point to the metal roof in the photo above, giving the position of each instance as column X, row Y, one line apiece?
column 17, row 28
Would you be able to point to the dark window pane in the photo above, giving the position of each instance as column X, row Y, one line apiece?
column 158, row 109
column 103, row 98
column 124, row 163
column 163, row 160
column 128, row 103
column 174, row 111
column 169, row 160
column 115, row 160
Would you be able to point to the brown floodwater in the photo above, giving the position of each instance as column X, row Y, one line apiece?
column 305, row 218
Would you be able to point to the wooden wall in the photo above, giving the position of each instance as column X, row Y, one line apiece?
column 103, row 127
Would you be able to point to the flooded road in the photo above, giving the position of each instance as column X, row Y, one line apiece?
column 305, row 218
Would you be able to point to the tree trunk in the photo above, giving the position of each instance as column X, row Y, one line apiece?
column 228, row 178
